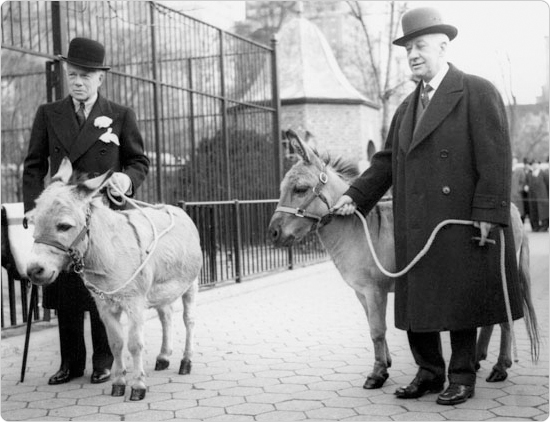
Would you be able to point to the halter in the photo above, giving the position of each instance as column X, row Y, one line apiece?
column 302, row 212
column 77, row 257
column 74, row 254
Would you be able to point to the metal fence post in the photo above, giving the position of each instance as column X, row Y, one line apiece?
column 156, row 100
column 277, row 145
column 59, row 42
column 225, row 131
column 290, row 258
column 238, row 242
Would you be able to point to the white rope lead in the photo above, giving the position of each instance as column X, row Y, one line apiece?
column 425, row 250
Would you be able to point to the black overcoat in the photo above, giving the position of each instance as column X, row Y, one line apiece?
column 456, row 164
column 56, row 134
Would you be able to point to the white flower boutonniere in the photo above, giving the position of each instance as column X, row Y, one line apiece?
column 109, row 136
column 103, row 122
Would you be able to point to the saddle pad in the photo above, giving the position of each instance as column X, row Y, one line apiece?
column 21, row 239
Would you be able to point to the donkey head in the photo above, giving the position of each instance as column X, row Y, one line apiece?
column 308, row 190
column 60, row 216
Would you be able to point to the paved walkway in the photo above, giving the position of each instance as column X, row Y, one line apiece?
column 290, row 346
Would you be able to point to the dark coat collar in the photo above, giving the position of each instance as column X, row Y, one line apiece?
column 444, row 100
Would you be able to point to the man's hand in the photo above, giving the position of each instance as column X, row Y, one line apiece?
column 344, row 206
column 484, row 228
column 122, row 183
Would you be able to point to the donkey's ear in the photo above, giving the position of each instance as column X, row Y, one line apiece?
column 299, row 146
column 91, row 186
column 64, row 172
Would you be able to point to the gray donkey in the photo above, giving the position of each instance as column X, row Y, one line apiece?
column 130, row 260
column 308, row 191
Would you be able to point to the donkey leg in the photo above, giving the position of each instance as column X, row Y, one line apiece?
column 135, row 347
column 165, row 317
column 498, row 373
column 189, row 320
column 115, row 334
column 374, row 304
column 482, row 344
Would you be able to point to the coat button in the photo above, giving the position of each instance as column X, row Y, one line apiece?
column 446, row 190
column 57, row 149
column 103, row 151
column 504, row 203
column 444, row 153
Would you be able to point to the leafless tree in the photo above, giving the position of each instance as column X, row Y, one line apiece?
column 382, row 70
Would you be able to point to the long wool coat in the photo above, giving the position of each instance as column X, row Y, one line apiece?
column 456, row 164
column 56, row 134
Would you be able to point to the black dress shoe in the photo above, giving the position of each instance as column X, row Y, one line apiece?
column 100, row 375
column 64, row 375
column 455, row 394
column 418, row 387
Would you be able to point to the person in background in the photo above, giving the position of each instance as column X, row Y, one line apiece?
column 447, row 156
column 97, row 135
column 538, row 197
column 518, row 186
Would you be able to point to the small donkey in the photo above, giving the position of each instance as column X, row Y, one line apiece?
column 130, row 260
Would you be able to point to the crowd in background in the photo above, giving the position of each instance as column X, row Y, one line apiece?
column 530, row 192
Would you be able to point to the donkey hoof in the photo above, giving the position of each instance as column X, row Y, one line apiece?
column 161, row 364
column 375, row 381
column 118, row 390
column 185, row 367
column 497, row 375
column 137, row 394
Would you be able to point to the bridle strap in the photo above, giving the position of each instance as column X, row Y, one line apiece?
column 78, row 262
column 301, row 210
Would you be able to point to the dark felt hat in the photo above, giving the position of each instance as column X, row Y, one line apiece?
column 422, row 21
column 86, row 53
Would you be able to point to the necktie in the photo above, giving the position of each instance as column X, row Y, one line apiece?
column 424, row 97
column 80, row 116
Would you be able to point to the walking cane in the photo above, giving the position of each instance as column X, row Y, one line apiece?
column 34, row 289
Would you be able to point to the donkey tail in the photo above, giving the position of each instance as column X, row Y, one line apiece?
column 528, row 308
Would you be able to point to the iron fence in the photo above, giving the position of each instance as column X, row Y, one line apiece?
column 235, row 246
column 206, row 99
column 207, row 105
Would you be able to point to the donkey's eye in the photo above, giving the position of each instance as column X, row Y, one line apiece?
column 63, row 227
column 300, row 190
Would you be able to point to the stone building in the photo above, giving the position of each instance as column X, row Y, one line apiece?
column 316, row 96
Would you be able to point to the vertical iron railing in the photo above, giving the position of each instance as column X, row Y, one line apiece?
column 207, row 103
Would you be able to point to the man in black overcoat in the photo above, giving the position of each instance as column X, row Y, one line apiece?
column 97, row 135
column 447, row 156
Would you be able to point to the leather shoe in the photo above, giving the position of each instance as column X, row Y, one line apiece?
column 64, row 375
column 418, row 387
column 100, row 375
column 455, row 394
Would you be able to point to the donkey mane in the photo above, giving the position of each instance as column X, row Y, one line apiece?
column 345, row 167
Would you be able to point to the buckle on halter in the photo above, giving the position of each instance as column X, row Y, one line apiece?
column 323, row 177
column 300, row 213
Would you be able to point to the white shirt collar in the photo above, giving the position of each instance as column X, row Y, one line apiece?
column 437, row 79
column 87, row 104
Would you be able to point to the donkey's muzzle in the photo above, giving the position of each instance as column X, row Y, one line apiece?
column 38, row 275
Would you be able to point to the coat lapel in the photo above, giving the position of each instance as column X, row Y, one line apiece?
column 407, row 125
column 444, row 100
column 64, row 123
column 89, row 134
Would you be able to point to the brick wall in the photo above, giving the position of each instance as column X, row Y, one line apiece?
column 341, row 129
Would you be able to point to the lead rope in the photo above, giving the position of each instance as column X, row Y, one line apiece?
column 150, row 249
column 425, row 250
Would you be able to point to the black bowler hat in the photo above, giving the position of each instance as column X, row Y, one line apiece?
column 86, row 53
column 422, row 21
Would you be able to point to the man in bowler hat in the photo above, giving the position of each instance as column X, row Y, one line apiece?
column 97, row 135
column 447, row 156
